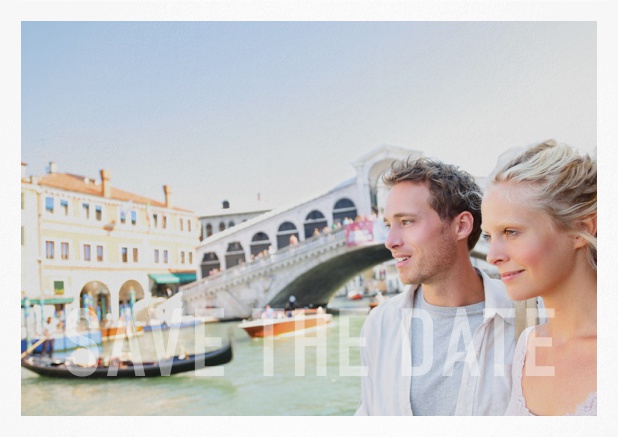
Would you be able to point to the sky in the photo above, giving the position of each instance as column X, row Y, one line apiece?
column 222, row 100
column 227, row 110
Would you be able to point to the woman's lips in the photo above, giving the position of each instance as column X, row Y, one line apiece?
column 510, row 275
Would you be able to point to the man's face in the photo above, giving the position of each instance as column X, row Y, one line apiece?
column 423, row 246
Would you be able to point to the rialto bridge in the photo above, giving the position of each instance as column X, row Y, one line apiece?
column 301, row 250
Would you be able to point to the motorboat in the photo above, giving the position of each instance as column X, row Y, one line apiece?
column 285, row 322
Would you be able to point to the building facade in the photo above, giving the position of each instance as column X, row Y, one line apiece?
column 90, row 245
column 230, row 215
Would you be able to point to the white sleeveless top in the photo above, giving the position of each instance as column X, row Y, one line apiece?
column 517, row 404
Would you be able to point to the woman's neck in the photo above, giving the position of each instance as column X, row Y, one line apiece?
column 572, row 307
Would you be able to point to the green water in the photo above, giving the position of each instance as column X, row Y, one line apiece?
column 265, row 377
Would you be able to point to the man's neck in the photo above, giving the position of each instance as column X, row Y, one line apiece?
column 459, row 287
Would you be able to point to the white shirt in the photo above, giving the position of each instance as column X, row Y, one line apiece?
column 386, row 355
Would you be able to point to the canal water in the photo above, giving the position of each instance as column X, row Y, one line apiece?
column 312, row 374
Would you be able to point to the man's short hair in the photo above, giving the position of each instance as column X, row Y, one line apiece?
column 452, row 190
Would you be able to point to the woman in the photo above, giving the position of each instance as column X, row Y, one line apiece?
column 540, row 217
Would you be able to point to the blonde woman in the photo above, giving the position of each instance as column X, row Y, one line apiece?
column 540, row 217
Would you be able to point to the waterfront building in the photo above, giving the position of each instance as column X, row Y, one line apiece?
column 87, row 244
column 229, row 215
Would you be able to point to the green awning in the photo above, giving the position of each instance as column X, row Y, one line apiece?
column 186, row 277
column 164, row 278
column 48, row 300
column 173, row 278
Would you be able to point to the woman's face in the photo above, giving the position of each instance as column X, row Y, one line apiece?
column 533, row 257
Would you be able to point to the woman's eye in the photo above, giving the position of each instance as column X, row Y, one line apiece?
column 510, row 233
column 486, row 237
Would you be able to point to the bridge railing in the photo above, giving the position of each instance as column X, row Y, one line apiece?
column 263, row 262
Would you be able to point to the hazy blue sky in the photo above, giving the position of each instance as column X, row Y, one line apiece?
column 224, row 110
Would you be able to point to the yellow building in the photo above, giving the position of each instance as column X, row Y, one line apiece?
column 88, row 244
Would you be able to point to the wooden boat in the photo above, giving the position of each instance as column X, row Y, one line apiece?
column 165, row 367
column 119, row 331
column 282, row 324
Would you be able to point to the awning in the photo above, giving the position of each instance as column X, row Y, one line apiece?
column 173, row 278
column 186, row 277
column 164, row 278
column 48, row 300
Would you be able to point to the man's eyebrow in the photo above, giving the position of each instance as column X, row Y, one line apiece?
column 400, row 215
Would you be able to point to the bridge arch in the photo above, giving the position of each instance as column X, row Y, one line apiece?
column 259, row 243
column 314, row 220
column 284, row 233
column 210, row 261
column 234, row 255
column 344, row 208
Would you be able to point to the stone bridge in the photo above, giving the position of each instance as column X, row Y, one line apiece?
column 311, row 271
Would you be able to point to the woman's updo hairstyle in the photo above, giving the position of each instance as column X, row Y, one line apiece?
column 562, row 182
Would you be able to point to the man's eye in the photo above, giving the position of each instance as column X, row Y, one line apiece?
column 486, row 237
column 509, row 233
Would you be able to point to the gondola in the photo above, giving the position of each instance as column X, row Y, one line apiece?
column 164, row 367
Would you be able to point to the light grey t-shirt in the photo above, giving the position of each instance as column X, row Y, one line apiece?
column 440, row 339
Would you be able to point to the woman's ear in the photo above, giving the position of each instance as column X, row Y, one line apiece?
column 588, row 225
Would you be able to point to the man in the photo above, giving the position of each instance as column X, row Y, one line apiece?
column 444, row 346
column 49, row 329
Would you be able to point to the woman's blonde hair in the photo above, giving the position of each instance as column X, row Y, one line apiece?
column 563, row 183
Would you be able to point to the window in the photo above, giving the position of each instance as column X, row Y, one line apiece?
column 164, row 222
column 123, row 217
column 133, row 217
column 156, row 256
column 87, row 255
column 49, row 204
column 49, row 249
column 222, row 226
column 181, row 225
column 64, row 206
column 190, row 257
column 124, row 252
column 154, row 220
column 135, row 257
column 99, row 253
column 23, row 238
column 64, row 250
column 165, row 257
column 86, row 208
column 22, row 200
column 182, row 256
column 189, row 225
column 58, row 287
column 98, row 213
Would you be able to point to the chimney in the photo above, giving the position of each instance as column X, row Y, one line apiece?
column 53, row 167
column 168, row 196
column 107, row 188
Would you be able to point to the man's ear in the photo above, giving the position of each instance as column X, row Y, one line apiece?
column 463, row 224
